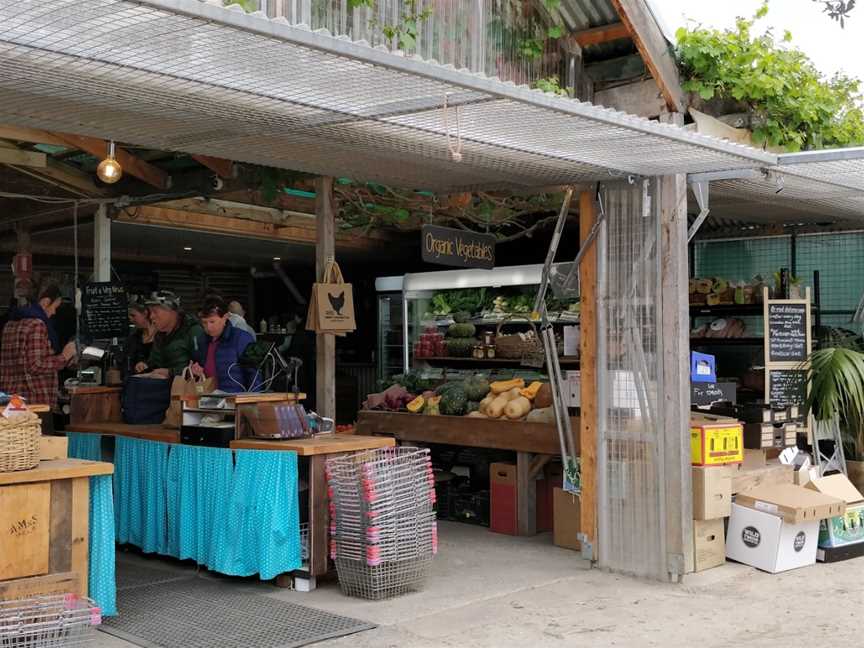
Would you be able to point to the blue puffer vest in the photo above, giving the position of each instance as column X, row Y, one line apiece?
column 232, row 343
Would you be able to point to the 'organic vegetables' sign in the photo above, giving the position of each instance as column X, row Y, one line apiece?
column 453, row 247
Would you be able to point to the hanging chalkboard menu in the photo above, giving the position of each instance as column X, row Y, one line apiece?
column 787, row 387
column 104, row 310
column 787, row 331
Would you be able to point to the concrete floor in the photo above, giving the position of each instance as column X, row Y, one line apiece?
column 496, row 591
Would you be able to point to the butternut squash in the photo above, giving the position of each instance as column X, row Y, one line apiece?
column 476, row 415
column 496, row 407
column 501, row 386
column 485, row 403
column 512, row 394
column 517, row 408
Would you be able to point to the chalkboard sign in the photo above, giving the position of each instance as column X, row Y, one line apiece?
column 787, row 332
column 104, row 310
column 787, row 387
column 708, row 394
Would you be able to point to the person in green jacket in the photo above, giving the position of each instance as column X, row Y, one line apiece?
column 176, row 338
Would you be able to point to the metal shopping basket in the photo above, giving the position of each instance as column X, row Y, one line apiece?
column 48, row 621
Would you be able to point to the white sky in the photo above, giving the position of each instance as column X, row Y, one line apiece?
column 831, row 48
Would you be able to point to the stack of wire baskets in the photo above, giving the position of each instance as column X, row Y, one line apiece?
column 382, row 521
column 48, row 621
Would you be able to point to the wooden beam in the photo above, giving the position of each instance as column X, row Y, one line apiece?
column 23, row 158
column 65, row 177
column 220, row 166
column 178, row 219
column 655, row 50
column 132, row 165
column 588, row 375
column 31, row 135
column 325, row 252
column 675, row 398
column 598, row 35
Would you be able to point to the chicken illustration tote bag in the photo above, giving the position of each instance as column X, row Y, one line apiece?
column 331, row 309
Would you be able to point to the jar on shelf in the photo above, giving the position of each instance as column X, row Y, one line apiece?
column 490, row 351
column 478, row 352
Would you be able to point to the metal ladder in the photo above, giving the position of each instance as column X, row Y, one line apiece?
column 569, row 457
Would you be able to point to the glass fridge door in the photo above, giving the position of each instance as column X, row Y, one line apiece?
column 390, row 337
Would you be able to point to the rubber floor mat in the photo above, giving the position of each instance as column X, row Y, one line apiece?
column 203, row 613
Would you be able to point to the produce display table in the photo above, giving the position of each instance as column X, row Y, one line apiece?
column 316, row 451
column 45, row 515
column 534, row 444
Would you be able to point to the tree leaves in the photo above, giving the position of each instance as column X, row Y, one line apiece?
column 797, row 107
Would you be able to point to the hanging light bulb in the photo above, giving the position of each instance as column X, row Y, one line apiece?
column 109, row 169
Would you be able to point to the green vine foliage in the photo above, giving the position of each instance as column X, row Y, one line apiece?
column 402, row 34
column 792, row 104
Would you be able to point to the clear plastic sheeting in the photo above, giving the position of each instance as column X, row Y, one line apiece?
column 183, row 75
column 631, row 531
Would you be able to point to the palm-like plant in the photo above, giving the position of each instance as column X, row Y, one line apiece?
column 837, row 389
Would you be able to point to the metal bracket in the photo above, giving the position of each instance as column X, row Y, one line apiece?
column 701, row 190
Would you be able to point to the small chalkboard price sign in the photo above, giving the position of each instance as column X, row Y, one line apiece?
column 104, row 310
column 787, row 387
column 787, row 331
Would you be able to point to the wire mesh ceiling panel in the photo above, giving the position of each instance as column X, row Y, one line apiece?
column 182, row 75
column 631, row 527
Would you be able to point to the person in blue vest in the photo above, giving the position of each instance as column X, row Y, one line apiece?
column 220, row 348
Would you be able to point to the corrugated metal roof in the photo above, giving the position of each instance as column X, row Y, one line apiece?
column 181, row 75
column 584, row 14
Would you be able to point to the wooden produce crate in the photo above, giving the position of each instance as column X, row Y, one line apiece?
column 44, row 526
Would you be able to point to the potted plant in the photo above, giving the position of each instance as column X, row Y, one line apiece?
column 836, row 380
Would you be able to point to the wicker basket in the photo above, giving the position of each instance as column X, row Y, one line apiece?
column 19, row 442
column 512, row 346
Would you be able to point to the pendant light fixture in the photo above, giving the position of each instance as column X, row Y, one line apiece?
column 109, row 169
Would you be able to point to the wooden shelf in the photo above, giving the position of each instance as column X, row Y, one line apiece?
column 491, row 362
column 740, row 310
column 735, row 341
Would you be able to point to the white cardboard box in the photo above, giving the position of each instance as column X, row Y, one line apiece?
column 766, row 542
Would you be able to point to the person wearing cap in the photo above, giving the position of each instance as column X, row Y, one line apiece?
column 31, row 352
column 237, row 317
column 176, row 336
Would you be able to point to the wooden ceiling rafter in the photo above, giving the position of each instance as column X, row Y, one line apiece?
column 599, row 35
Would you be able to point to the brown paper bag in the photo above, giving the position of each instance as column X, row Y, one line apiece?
column 331, row 307
column 186, row 384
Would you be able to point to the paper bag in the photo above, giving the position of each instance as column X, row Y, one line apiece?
column 331, row 307
column 186, row 384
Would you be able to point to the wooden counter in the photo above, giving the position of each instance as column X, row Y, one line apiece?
column 148, row 432
column 323, row 445
column 536, row 438
column 45, row 517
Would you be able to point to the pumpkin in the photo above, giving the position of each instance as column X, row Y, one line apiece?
column 530, row 392
column 501, row 386
column 543, row 398
column 416, row 405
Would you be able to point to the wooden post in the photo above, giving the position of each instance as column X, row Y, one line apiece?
column 325, row 250
column 22, row 264
column 588, row 378
column 675, row 403
column 102, row 244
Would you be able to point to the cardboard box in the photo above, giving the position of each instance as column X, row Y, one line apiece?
column 715, row 441
column 843, row 529
column 565, row 519
column 712, row 492
column 709, row 544
column 53, row 447
column 503, row 506
column 767, row 542
column 795, row 504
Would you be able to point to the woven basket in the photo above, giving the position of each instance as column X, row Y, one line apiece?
column 512, row 346
column 19, row 442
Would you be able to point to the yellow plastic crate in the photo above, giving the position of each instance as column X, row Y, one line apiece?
column 716, row 444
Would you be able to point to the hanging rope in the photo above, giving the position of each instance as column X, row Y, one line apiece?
column 455, row 149
column 76, row 298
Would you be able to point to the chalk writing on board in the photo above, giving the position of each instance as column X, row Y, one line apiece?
column 787, row 387
column 104, row 310
column 787, row 332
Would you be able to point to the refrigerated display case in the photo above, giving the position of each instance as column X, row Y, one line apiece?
column 416, row 307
